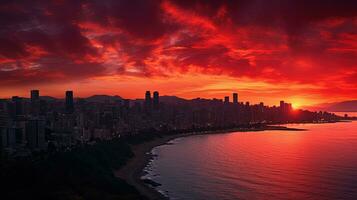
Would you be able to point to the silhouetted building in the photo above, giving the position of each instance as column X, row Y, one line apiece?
column 35, row 134
column 35, row 95
column 235, row 98
column 8, row 138
column 156, row 100
column 18, row 105
column 226, row 99
column 148, row 97
column 69, row 102
column 3, row 129
column 148, row 102
column 105, row 119
column 282, row 104
column 35, row 102
column 3, row 118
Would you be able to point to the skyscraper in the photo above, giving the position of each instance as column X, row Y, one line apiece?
column 35, row 95
column 8, row 137
column 35, row 134
column 147, row 99
column 69, row 102
column 235, row 98
column 226, row 99
column 282, row 106
column 147, row 96
column 35, row 102
column 156, row 100
column 3, row 119
column 18, row 105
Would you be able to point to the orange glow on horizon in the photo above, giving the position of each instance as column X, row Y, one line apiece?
column 186, row 86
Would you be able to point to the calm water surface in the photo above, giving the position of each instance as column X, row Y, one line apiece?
column 320, row 163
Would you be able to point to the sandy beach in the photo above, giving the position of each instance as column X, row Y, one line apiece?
column 133, row 170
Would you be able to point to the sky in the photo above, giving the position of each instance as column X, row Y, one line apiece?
column 301, row 51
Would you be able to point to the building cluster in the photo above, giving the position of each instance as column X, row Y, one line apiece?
column 38, row 124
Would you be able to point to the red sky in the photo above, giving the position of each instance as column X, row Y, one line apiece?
column 300, row 51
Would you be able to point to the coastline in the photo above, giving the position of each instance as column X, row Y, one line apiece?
column 133, row 170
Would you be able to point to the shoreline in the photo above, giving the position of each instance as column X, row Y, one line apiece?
column 134, row 169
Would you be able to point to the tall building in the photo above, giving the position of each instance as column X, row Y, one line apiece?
column 147, row 100
column 35, row 102
column 8, row 137
column 3, row 119
column 35, row 95
column 226, row 99
column 3, row 129
column 156, row 100
column 69, row 102
column 282, row 103
column 3, row 103
column 147, row 96
column 18, row 105
column 282, row 106
column 235, row 98
column 35, row 134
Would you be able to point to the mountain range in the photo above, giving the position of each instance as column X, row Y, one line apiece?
column 343, row 106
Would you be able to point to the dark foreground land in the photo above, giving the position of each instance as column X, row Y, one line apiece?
column 105, row 170
column 84, row 173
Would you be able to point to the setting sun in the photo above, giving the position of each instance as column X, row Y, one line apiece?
column 295, row 105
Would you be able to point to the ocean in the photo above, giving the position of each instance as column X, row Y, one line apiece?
column 320, row 163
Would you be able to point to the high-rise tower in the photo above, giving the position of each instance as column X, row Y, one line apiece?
column 235, row 98
column 35, row 102
column 35, row 95
column 69, row 102
column 226, row 99
column 156, row 100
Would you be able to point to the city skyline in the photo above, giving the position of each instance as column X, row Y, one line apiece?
column 39, row 124
column 69, row 96
column 301, row 51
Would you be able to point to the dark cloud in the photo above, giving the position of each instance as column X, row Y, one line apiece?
column 294, row 17
column 47, row 71
column 291, row 14
column 272, row 40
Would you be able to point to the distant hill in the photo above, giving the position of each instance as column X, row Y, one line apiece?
column 103, row 98
column 172, row 100
column 344, row 106
column 48, row 98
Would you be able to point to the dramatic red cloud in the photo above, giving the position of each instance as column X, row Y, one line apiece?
column 302, row 51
